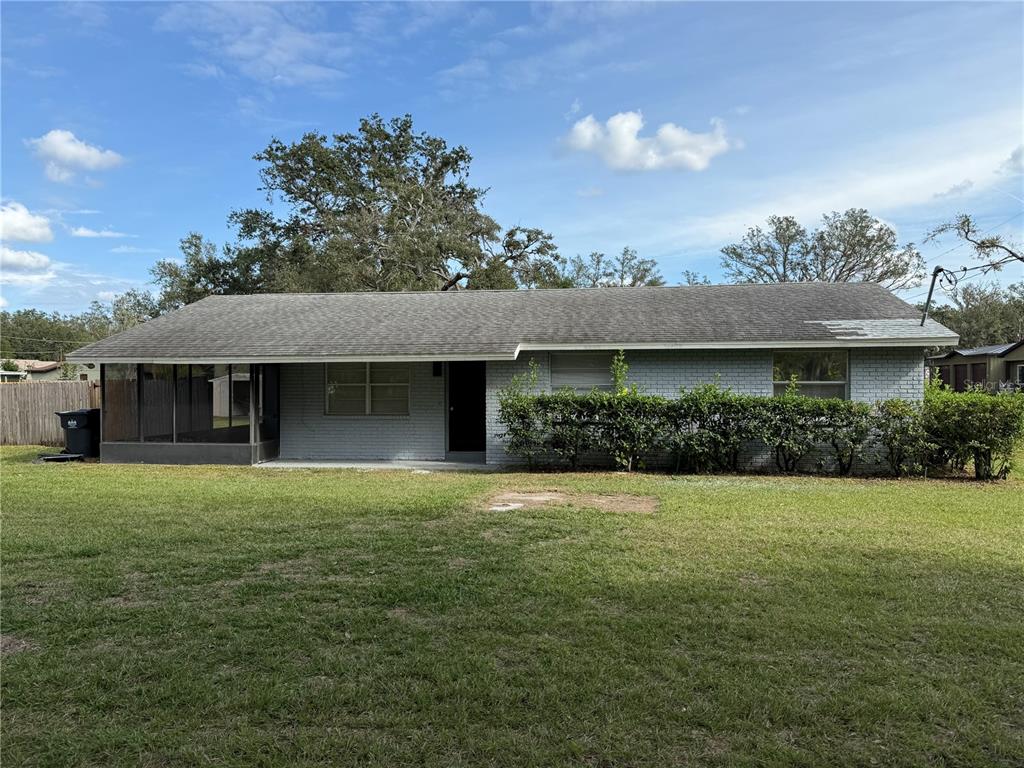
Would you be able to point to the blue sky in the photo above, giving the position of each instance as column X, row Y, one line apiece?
column 668, row 127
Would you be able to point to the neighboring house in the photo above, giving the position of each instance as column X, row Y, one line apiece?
column 12, row 376
column 364, row 376
column 48, row 370
column 995, row 367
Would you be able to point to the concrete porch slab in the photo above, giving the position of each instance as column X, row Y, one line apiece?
column 414, row 466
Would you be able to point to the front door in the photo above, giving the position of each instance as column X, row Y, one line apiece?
column 467, row 429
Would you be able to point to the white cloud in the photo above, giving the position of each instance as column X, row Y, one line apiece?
column 274, row 44
column 65, row 154
column 18, row 223
column 86, row 232
column 1014, row 164
column 466, row 70
column 619, row 144
column 27, row 268
column 133, row 249
column 106, row 295
column 958, row 189
column 62, row 287
column 3, row 302
column 88, row 15
column 574, row 109
column 22, row 261
column 884, row 178
column 203, row 69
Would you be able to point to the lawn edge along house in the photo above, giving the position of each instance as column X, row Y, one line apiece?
column 416, row 376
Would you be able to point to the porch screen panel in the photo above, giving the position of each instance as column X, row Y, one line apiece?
column 120, row 402
column 266, row 394
column 195, row 403
column 157, row 403
column 240, row 397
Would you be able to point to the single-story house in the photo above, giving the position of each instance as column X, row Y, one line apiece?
column 48, row 370
column 417, row 376
column 998, row 366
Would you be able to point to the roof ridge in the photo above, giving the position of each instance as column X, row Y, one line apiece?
column 478, row 291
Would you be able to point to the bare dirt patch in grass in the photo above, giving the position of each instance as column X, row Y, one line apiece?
column 289, row 569
column 43, row 594
column 126, row 601
column 407, row 616
column 614, row 502
column 9, row 645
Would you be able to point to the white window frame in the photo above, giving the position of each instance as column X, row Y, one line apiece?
column 1020, row 373
column 834, row 383
column 368, row 386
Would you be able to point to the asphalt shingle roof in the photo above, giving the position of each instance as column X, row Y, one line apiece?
column 496, row 324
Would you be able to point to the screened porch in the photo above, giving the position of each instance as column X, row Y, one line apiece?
column 189, row 413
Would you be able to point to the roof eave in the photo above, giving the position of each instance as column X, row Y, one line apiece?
column 838, row 343
column 266, row 359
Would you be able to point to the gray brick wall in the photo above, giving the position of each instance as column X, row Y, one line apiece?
column 308, row 433
column 664, row 372
column 883, row 374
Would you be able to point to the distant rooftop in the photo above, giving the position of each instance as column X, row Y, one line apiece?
column 993, row 349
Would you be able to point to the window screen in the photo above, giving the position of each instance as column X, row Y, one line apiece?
column 581, row 371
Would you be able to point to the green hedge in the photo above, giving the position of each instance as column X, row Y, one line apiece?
column 708, row 429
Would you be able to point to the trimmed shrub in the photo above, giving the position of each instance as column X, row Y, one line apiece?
column 899, row 427
column 525, row 432
column 631, row 426
column 707, row 429
column 845, row 427
column 973, row 426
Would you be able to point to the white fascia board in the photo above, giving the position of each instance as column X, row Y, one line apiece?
column 243, row 359
column 842, row 343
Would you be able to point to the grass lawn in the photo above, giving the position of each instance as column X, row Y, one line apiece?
column 246, row 617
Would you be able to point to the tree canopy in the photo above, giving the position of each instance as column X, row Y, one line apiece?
column 626, row 270
column 993, row 250
column 847, row 247
column 36, row 335
column 382, row 209
column 983, row 313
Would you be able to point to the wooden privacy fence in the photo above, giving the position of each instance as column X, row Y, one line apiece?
column 27, row 409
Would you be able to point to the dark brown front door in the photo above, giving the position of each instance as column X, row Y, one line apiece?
column 467, row 429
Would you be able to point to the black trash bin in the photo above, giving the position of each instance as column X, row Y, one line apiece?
column 81, row 431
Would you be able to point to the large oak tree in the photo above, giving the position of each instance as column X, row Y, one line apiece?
column 847, row 247
column 382, row 209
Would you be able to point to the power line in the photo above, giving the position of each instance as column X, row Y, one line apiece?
column 963, row 269
column 36, row 338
